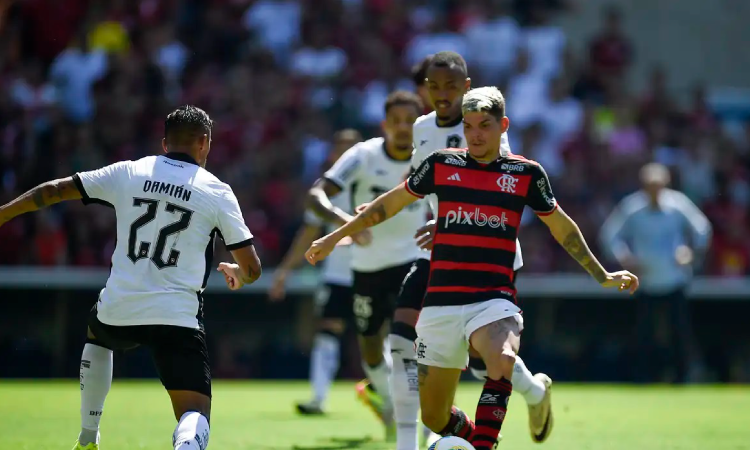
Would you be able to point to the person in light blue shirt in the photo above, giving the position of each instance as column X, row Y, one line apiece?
column 659, row 234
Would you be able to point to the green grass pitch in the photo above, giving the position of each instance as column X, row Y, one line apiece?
column 41, row 415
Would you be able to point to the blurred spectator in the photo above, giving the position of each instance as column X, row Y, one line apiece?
column 610, row 52
column 276, row 23
column 659, row 234
column 492, row 27
column 545, row 42
column 438, row 38
column 561, row 118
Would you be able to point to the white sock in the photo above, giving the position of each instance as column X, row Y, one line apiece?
column 405, row 391
column 429, row 436
column 324, row 363
column 525, row 384
column 378, row 376
column 191, row 432
column 96, row 379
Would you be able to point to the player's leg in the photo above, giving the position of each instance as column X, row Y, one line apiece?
column 335, row 303
column 181, row 358
column 442, row 354
column 496, row 336
column 404, row 377
column 96, row 376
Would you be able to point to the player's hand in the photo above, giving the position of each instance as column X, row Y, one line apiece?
column 363, row 238
column 622, row 280
column 277, row 291
column 425, row 235
column 320, row 249
column 683, row 255
column 232, row 275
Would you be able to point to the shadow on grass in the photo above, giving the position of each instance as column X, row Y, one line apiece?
column 338, row 443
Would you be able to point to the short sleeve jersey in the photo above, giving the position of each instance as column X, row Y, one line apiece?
column 479, row 212
column 169, row 210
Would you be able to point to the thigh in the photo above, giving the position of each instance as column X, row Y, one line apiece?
column 113, row 337
column 491, row 339
column 440, row 340
column 414, row 286
column 181, row 358
column 338, row 302
column 437, row 387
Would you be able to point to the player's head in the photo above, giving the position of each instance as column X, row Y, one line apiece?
column 419, row 76
column 484, row 121
column 654, row 177
column 447, row 81
column 402, row 108
column 343, row 140
column 187, row 129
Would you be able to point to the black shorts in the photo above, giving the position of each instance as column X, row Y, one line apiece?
column 375, row 297
column 414, row 286
column 180, row 354
column 335, row 301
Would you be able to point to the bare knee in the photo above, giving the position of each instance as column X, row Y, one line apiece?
column 500, row 364
column 186, row 401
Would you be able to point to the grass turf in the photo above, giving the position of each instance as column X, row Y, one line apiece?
column 41, row 415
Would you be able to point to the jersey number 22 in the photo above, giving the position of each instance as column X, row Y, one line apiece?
column 142, row 252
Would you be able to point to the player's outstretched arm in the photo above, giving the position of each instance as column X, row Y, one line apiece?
column 245, row 270
column 305, row 236
column 44, row 195
column 380, row 210
column 566, row 233
column 319, row 201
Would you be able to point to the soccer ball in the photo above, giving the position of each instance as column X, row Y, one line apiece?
column 451, row 443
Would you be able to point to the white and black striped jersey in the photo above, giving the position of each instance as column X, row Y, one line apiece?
column 168, row 211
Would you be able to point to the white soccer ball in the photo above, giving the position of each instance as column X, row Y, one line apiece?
column 451, row 443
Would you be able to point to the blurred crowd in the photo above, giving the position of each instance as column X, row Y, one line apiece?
column 87, row 83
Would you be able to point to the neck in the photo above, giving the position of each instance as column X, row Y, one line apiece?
column 397, row 153
column 452, row 121
column 488, row 157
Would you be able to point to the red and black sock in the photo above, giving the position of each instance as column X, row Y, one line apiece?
column 458, row 425
column 493, row 404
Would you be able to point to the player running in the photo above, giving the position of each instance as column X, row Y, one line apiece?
column 446, row 81
column 169, row 209
column 333, row 299
column 471, row 298
column 368, row 170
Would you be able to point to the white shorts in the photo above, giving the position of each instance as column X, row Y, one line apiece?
column 444, row 331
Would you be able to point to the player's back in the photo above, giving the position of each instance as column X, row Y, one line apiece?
column 168, row 211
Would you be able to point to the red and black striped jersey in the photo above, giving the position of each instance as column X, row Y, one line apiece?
column 479, row 212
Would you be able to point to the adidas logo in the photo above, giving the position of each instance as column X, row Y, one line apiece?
column 455, row 177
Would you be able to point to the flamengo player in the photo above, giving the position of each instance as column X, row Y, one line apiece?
column 169, row 208
column 446, row 80
column 368, row 170
column 471, row 298
column 333, row 299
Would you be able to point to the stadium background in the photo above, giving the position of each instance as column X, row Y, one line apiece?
column 87, row 83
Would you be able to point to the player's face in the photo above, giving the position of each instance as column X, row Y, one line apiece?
column 398, row 124
column 446, row 86
column 483, row 133
column 424, row 94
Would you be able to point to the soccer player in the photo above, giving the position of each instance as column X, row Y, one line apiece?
column 447, row 81
column 334, row 298
column 368, row 170
column 418, row 76
column 471, row 298
column 169, row 209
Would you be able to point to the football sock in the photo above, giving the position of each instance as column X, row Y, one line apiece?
column 96, row 379
column 191, row 432
column 491, row 410
column 524, row 383
column 378, row 377
column 459, row 425
column 477, row 368
column 324, row 363
column 405, row 388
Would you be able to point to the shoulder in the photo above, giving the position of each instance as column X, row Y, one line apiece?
column 633, row 203
column 425, row 124
column 450, row 156
column 367, row 148
column 517, row 163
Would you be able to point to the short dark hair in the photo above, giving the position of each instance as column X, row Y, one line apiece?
column 449, row 60
column 398, row 98
column 419, row 70
column 186, row 124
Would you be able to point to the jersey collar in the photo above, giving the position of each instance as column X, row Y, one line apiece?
column 184, row 157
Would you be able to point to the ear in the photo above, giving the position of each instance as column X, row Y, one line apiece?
column 504, row 124
column 382, row 126
column 467, row 85
column 164, row 144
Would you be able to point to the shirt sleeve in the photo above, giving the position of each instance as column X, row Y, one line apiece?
column 231, row 224
column 540, row 197
column 347, row 169
column 421, row 182
column 102, row 185
column 697, row 222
